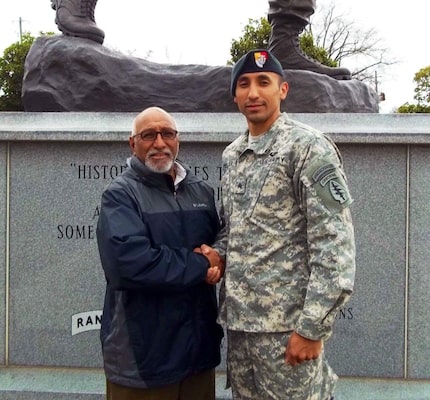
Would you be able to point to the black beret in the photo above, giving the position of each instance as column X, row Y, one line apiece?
column 259, row 60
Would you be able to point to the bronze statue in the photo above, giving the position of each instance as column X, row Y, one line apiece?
column 76, row 18
column 287, row 18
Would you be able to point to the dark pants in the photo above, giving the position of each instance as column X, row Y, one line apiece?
column 298, row 9
column 195, row 387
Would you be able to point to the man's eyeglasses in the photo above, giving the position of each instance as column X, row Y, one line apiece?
column 150, row 134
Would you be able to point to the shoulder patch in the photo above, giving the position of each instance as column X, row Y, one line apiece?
column 339, row 192
column 330, row 186
column 322, row 171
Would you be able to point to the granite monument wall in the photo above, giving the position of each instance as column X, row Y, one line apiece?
column 54, row 166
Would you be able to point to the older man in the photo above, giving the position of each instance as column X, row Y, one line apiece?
column 159, row 335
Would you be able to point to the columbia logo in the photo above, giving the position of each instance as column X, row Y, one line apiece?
column 199, row 205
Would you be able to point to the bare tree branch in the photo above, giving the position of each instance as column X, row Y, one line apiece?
column 345, row 42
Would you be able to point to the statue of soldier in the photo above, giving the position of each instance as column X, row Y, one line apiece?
column 76, row 18
column 287, row 18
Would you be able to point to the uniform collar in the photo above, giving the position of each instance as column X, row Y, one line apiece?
column 265, row 144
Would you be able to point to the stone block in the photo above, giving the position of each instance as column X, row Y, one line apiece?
column 369, row 335
column 3, row 245
column 418, row 322
column 55, row 271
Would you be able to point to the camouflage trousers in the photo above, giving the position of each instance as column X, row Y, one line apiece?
column 257, row 371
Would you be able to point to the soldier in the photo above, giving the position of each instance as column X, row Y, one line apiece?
column 288, row 241
column 287, row 18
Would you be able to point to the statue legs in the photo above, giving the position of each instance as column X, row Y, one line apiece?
column 76, row 18
column 288, row 18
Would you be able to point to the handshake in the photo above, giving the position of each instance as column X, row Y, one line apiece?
column 216, row 263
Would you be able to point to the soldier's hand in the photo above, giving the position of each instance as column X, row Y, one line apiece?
column 213, row 275
column 300, row 349
column 213, row 256
column 216, row 264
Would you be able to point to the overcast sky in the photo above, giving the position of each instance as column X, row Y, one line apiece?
column 197, row 32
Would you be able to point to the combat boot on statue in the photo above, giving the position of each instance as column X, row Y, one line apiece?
column 76, row 18
column 285, row 46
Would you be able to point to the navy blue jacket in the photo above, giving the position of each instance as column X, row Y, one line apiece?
column 159, row 316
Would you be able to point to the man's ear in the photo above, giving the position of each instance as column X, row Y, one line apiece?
column 284, row 90
column 131, row 143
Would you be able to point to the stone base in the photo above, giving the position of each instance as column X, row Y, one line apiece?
column 65, row 73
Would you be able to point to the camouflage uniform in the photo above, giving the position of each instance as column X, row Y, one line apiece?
column 288, row 236
column 270, row 378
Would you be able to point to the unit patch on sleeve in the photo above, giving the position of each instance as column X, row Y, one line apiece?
column 331, row 187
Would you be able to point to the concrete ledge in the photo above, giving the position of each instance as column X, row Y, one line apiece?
column 23, row 383
column 382, row 389
column 210, row 127
column 18, row 383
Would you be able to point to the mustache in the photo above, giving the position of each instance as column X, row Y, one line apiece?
column 154, row 152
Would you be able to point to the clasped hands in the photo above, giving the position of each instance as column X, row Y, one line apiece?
column 216, row 263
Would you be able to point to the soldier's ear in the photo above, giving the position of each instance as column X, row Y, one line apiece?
column 284, row 90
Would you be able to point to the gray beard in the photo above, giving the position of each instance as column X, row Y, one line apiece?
column 160, row 169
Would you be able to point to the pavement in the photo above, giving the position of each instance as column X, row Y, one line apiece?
column 23, row 383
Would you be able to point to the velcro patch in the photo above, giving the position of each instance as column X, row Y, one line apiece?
column 331, row 187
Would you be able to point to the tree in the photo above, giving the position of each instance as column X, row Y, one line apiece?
column 12, row 73
column 422, row 94
column 256, row 35
column 422, row 91
column 345, row 42
column 318, row 53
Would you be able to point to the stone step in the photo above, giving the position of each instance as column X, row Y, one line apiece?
column 22, row 383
